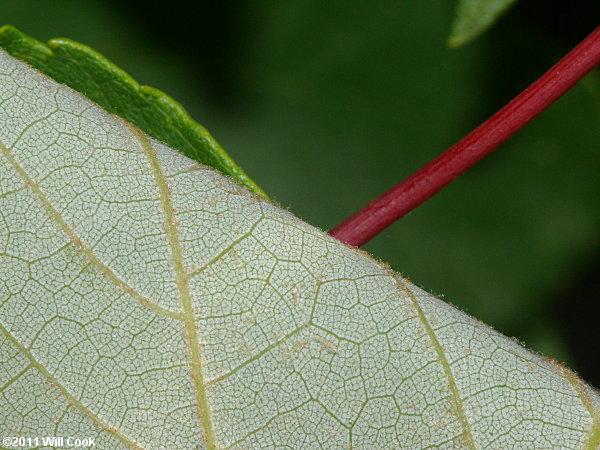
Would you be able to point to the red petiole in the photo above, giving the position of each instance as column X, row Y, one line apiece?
column 418, row 187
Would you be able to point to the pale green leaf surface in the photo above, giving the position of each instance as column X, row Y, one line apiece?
column 473, row 17
column 148, row 301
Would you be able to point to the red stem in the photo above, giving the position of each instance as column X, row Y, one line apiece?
column 428, row 180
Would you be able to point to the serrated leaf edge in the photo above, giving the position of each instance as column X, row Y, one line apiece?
column 176, row 111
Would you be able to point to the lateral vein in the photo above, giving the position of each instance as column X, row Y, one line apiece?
column 63, row 390
column 454, row 393
column 182, row 278
column 87, row 252
column 593, row 439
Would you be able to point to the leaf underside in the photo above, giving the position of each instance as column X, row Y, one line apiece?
column 474, row 17
column 151, row 110
column 147, row 301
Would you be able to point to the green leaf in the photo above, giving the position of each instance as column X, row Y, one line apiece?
column 154, row 112
column 148, row 301
column 473, row 17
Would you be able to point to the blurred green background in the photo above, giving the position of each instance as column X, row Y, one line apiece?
column 328, row 104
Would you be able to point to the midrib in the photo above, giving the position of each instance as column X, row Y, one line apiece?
column 182, row 277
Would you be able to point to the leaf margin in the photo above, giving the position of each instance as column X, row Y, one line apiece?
column 167, row 121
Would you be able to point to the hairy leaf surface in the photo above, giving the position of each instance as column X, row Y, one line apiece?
column 473, row 17
column 154, row 112
column 148, row 301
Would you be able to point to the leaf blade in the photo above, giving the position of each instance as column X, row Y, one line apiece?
column 303, row 341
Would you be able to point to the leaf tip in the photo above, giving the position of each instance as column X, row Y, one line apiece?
column 474, row 17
